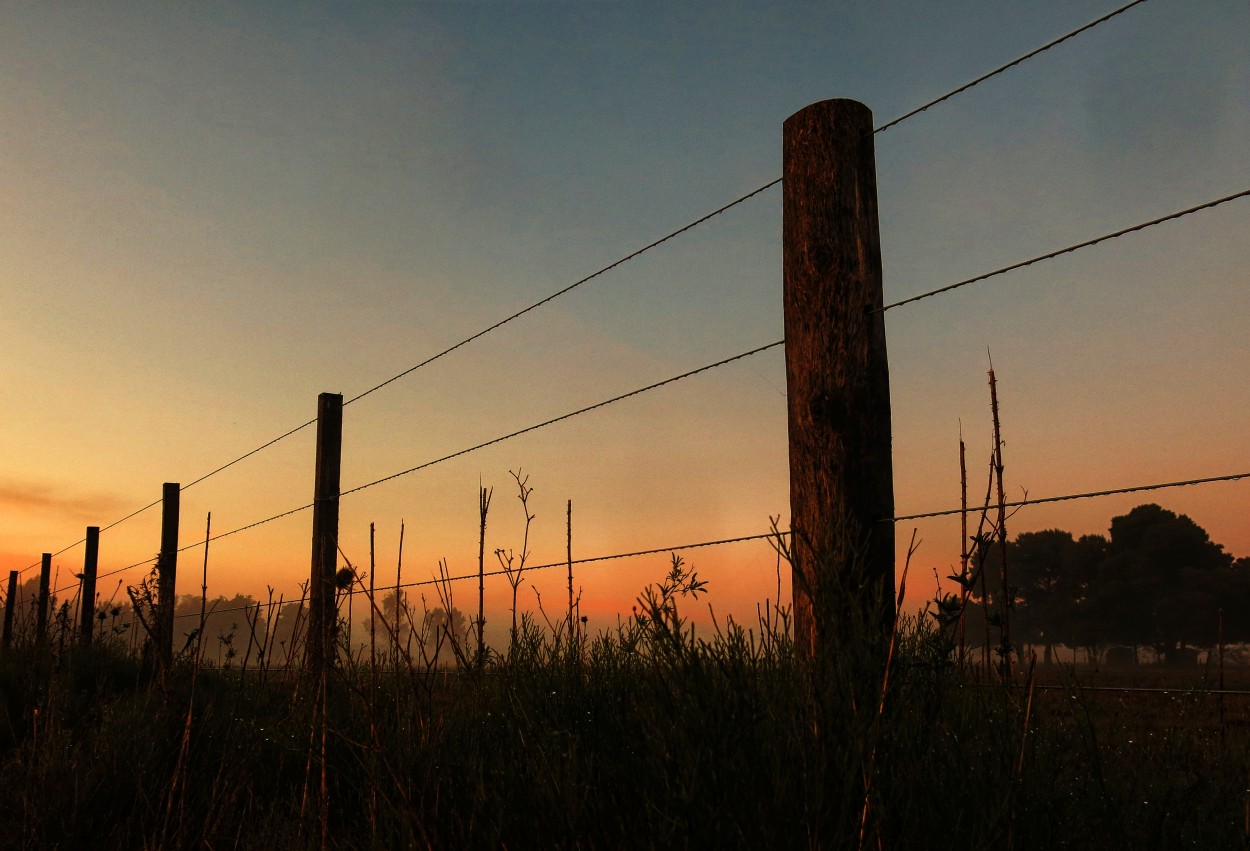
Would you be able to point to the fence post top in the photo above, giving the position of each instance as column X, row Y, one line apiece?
column 846, row 105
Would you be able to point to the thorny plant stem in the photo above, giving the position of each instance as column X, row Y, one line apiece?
column 1004, row 632
column 199, row 645
column 982, row 554
column 964, row 588
column 399, row 607
column 373, row 619
column 484, row 496
column 569, row 555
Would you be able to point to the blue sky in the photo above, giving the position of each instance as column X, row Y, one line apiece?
column 214, row 212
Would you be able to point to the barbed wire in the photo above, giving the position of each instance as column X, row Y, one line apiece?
column 567, row 289
column 1232, row 477
column 134, row 513
column 1052, row 254
column 567, row 416
column 609, row 267
column 493, row 441
column 528, row 568
column 466, row 341
column 483, row 445
column 52, row 555
column 197, row 544
column 1010, row 64
column 246, row 455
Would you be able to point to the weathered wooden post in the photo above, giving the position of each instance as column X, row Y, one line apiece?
column 322, row 616
column 41, row 614
column 841, row 477
column 10, row 605
column 167, row 573
column 89, row 566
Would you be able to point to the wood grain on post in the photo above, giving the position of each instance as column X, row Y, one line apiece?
column 10, row 606
column 167, row 572
column 322, row 616
column 841, row 476
column 41, row 615
column 89, row 566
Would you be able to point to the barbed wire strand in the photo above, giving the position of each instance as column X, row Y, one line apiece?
column 1048, row 256
column 1232, row 477
column 625, row 259
column 493, row 441
column 466, row 341
column 565, row 563
column 246, row 455
column 113, row 572
column 198, row 544
column 1090, row 495
column 152, row 505
column 569, row 288
column 52, row 555
column 567, row 416
column 1010, row 64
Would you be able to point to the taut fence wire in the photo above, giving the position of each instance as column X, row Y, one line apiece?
column 565, row 563
column 1017, row 61
column 1068, row 250
column 656, row 243
column 570, row 415
column 1232, row 477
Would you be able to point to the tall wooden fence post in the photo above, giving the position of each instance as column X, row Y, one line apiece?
column 167, row 573
column 41, row 614
column 841, row 477
column 322, row 615
column 89, row 563
column 10, row 605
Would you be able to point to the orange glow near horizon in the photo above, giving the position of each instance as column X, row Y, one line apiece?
column 211, row 218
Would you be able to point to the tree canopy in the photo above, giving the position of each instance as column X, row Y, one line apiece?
column 1156, row 580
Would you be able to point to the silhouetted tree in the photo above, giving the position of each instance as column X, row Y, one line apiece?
column 1160, row 583
column 1157, row 581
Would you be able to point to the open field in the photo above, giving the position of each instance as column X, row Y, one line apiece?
column 643, row 738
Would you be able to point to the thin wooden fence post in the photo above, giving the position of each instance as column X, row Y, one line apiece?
column 322, row 617
column 89, row 567
column 167, row 573
column 41, row 614
column 841, row 477
column 10, row 605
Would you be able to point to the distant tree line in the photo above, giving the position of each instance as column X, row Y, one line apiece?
column 1156, row 581
column 241, row 628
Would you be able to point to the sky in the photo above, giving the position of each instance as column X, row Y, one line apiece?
column 214, row 212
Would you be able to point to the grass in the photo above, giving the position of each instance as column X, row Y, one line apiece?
column 640, row 737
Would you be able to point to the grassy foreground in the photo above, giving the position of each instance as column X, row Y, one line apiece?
column 645, row 737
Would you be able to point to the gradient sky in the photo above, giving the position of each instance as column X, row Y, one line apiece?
column 213, row 212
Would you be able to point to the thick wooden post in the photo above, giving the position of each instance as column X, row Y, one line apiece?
column 41, row 615
column 89, row 563
column 322, row 616
column 10, row 606
column 167, row 572
column 841, row 477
